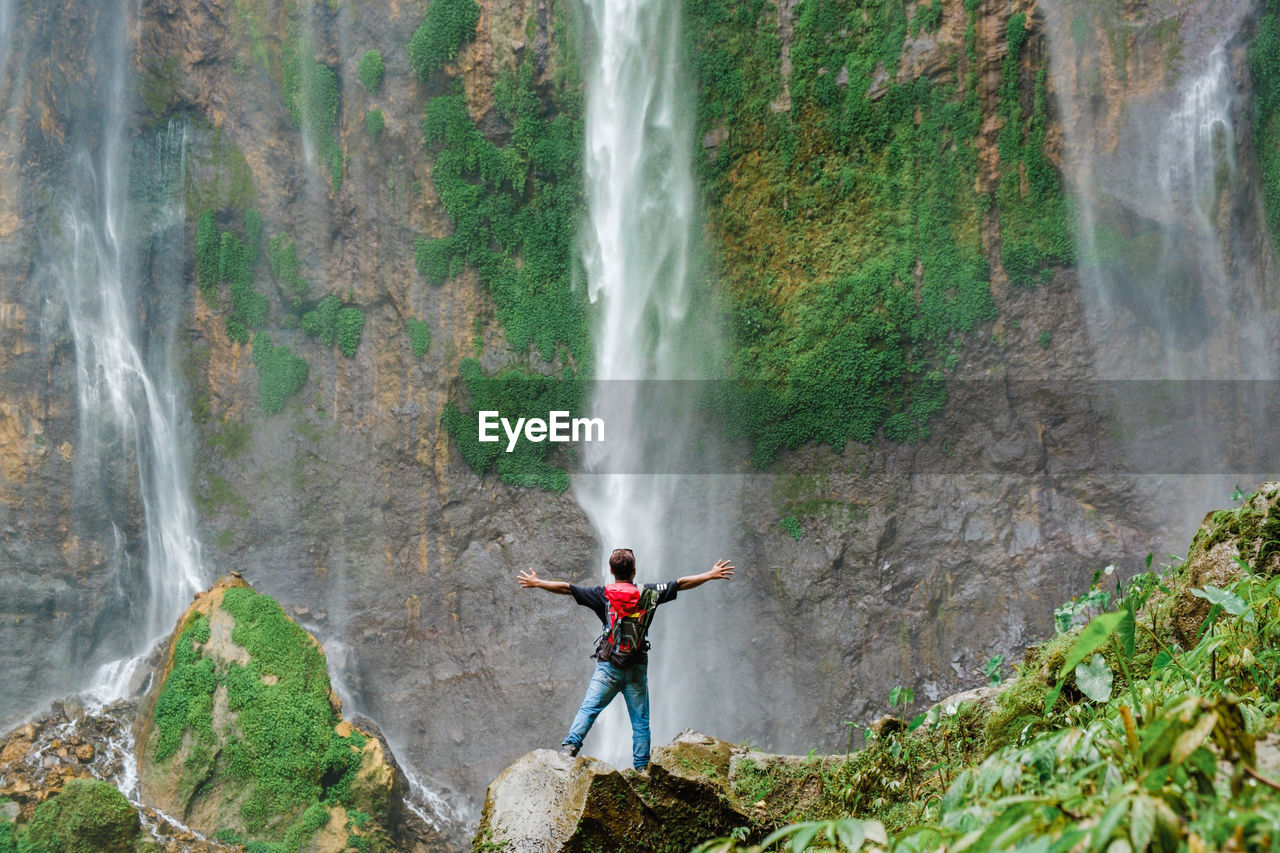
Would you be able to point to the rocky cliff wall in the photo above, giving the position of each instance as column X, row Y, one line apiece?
column 883, row 563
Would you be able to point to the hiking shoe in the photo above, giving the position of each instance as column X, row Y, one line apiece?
column 569, row 749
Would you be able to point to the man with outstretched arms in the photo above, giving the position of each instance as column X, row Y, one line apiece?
column 625, row 610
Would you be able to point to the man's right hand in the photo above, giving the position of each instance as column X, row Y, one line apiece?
column 722, row 570
column 529, row 579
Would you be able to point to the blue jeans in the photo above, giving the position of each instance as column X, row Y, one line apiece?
column 606, row 682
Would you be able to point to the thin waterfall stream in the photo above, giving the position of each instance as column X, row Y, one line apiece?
column 1172, row 279
column 128, row 401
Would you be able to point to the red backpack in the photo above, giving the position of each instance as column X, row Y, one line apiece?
column 630, row 612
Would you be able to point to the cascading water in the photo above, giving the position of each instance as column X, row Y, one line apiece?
column 655, row 335
column 1171, row 271
column 92, row 260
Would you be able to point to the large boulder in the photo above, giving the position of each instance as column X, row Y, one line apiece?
column 549, row 803
column 242, row 737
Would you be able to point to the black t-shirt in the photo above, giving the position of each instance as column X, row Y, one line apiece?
column 593, row 597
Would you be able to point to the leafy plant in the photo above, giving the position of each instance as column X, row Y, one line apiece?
column 993, row 669
column 333, row 322
column 374, row 122
column 370, row 71
column 87, row 816
column 312, row 97
column 419, row 336
column 280, row 373
column 283, row 256
column 447, row 26
column 1146, row 747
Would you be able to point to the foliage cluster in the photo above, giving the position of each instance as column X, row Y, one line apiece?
column 280, row 373
column 333, row 322
column 374, row 122
column 370, row 71
column 311, row 93
column 515, row 211
column 1112, row 736
column 447, row 26
column 87, row 816
column 283, row 256
column 419, row 336
column 226, row 257
column 851, row 223
column 1035, row 219
column 515, row 394
column 281, row 743
column 520, row 202
column 1264, row 65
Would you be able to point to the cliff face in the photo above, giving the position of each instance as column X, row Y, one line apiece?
column 351, row 504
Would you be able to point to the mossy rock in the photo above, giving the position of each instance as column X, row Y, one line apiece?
column 243, row 736
column 88, row 816
column 1227, row 538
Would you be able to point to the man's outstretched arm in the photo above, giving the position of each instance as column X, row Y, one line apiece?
column 529, row 580
column 722, row 570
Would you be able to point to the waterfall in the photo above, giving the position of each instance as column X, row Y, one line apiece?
column 1169, row 224
column 122, row 332
column 655, row 337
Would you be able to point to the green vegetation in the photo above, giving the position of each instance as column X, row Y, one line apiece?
column 311, row 93
column 281, row 740
column 374, row 122
column 850, row 225
column 515, row 211
column 792, row 526
column 207, row 241
column 1045, row 339
column 419, row 336
column 350, row 326
column 332, row 322
column 224, row 256
column 187, row 699
column 213, row 152
column 370, row 71
column 518, row 202
column 280, row 373
column 1264, row 64
column 1035, row 220
column 284, row 268
column 517, row 395
column 88, row 816
column 446, row 27
column 1112, row 736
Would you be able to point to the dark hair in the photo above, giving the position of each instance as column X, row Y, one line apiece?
column 622, row 562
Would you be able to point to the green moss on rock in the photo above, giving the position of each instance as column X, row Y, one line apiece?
column 247, row 713
column 370, row 71
column 88, row 816
column 447, row 26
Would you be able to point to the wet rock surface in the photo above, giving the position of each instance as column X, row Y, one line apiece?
column 39, row 758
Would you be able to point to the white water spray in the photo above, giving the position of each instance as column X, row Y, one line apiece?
column 652, row 323
column 128, row 403
column 1171, row 281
